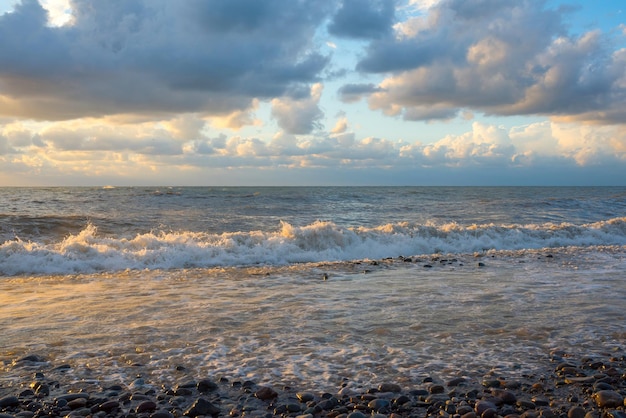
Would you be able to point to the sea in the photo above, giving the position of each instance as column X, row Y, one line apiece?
column 317, row 287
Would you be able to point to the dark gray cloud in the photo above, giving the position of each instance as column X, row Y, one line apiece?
column 354, row 92
column 363, row 19
column 147, row 56
column 501, row 58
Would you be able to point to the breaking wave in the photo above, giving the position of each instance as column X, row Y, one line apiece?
column 89, row 252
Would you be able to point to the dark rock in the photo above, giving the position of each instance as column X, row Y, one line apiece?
column 9, row 401
column 602, row 386
column 608, row 399
column 27, row 393
column 77, row 403
column 162, row 414
column 293, row 407
column 32, row 358
column 401, row 400
column 146, row 406
column 109, row 406
column 505, row 396
column 266, row 393
column 455, row 382
column 305, row 396
column 576, row 412
column 356, row 414
column 69, row 397
column 389, row 387
column 482, row 405
column 379, row 405
column 206, row 385
column 436, row 389
column 202, row 407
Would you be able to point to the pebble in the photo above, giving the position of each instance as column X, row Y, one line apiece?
column 594, row 392
column 608, row 399
column 266, row 393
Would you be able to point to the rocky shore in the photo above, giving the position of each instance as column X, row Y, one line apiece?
column 585, row 387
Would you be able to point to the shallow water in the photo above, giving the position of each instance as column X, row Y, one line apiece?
column 394, row 321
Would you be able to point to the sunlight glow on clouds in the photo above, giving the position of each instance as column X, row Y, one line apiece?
column 206, row 91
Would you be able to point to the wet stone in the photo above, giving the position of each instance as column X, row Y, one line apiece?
column 436, row 389
column 379, row 405
column 608, row 399
column 202, row 407
column 162, row 414
column 77, row 403
column 8, row 401
column 455, row 382
column 389, row 387
column 206, row 385
column 505, row 396
column 576, row 412
column 482, row 405
column 146, row 406
column 266, row 393
column 305, row 396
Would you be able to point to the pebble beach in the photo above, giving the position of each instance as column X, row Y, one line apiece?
column 585, row 387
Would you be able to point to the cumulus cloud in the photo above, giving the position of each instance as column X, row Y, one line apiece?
column 363, row 19
column 498, row 57
column 176, row 149
column 354, row 92
column 156, row 57
column 300, row 115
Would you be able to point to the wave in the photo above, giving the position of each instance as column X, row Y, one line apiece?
column 89, row 252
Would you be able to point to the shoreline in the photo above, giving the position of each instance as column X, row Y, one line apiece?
column 584, row 387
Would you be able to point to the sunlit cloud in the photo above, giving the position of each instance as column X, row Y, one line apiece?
column 147, row 91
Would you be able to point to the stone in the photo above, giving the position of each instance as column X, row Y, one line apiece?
column 265, row 393
column 109, row 406
column 162, row 414
column 146, row 406
column 379, row 405
column 389, row 387
column 206, row 385
column 608, row 399
column 77, row 403
column 436, row 389
column 576, row 412
column 482, row 405
column 9, row 401
column 456, row 382
column 305, row 396
column 505, row 396
column 201, row 407
column 69, row 397
column 356, row 414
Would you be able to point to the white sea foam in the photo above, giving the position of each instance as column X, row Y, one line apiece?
column 89, row 251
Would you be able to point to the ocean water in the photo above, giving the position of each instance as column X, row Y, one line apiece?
column 308, row 287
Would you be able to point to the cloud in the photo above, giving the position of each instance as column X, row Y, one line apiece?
column 300, row 115
column 341, row 126
column 363, row 19
column 500, row 58
column 156, row 57
column 179, row 151
column 349, row 93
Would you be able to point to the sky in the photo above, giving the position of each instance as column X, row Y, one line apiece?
column 325, row 92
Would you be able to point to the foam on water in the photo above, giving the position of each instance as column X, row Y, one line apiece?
column 393, row 321
column 88, row 251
